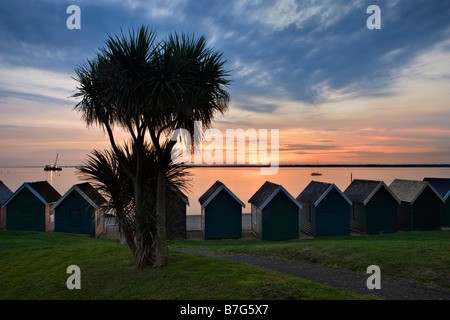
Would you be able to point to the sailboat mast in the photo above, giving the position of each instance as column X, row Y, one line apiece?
column 56, row 160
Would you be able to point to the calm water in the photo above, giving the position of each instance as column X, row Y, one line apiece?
column 243, row 182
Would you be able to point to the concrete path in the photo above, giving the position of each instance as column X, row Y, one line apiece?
column 390, row 290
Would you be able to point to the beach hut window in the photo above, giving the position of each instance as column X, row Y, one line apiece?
column 52, row 218
column 255, row 221
column 75, row 218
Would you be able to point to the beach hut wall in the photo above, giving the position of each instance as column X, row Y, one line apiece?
column 374, row 207
column 275, row 213
column 325, row 210
column 221, row 213
column 5, row 193
column 176, row 217
column 420, row 207
column 80, row 211
column 442, row 185
column 28, row 209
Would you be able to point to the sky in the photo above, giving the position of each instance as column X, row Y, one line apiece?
column 337, row 91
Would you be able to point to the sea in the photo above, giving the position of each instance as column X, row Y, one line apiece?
column 242, row 181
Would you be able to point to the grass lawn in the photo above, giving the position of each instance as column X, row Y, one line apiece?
column 423, row 257
column 33, row 266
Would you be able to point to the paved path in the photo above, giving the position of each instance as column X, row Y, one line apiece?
column 390, row 290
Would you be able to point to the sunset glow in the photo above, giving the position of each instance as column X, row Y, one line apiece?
column 338, row 92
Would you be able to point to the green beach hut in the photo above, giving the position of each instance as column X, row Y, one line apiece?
column 374, row 207
column 176, row 216
column 442, row 185
column 274, row 214
column 420, row 207
column 79, row 211
column 325, row 210
column 28, row 209
column 5, row 193
column 221, row 213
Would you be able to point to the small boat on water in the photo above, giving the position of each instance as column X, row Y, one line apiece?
column 317, row 173
column 53, row 167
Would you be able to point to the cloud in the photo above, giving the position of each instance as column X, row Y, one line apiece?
column 317, row 51
column 33, row 82
column 41, row 143
column 309, row 68
column 281, row 14
column 310, row 147
column 157, row 9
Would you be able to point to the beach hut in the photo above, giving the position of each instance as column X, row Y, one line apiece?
column 5, row 193
column 374, row 207
column 221, row 213
column 176, row 217
column 420, row 207
column 28, row 208
column 80, row 211
column 442, row 185
column 325, row 210
column 274, row 213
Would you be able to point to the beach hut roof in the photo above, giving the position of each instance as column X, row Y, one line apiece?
column 363, row 190
column 41, row 189
column 213, row 191
column 316, row 191
column 87, row 192
column 410, row 190
column 5, row 192
column 181, row 195
column 441, row 185
column 267, row 192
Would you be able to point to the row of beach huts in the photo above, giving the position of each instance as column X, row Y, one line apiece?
column 321, row 209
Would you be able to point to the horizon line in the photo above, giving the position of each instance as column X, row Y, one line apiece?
column 263, row 166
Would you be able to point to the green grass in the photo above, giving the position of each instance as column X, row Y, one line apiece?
column 33, row 266
column 422, row 257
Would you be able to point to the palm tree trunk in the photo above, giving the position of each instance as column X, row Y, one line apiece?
column 144, row 256
column 127, row 230
column 161, row 243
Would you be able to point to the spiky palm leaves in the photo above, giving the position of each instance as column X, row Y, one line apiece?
column 103, row 170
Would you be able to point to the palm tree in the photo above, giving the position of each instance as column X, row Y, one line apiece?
column 104, row 171
column 113, row 92
column 152, row 88
column 193, row 91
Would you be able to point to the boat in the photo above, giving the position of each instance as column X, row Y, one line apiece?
column 316, row 173
column 53, row 167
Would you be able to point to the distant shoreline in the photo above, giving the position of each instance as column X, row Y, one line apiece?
column 290, row 166
column 325, row 166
